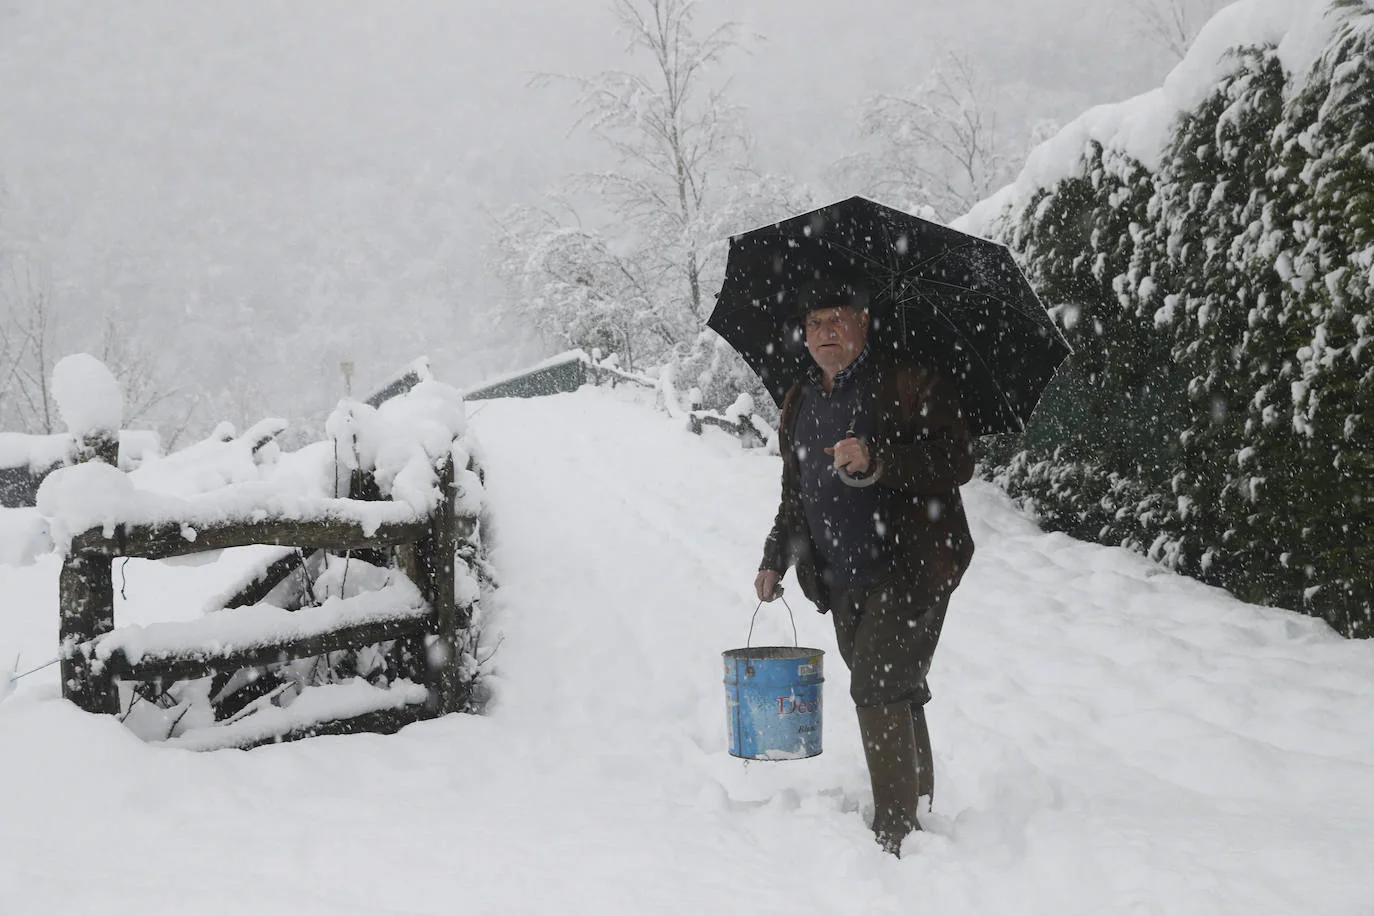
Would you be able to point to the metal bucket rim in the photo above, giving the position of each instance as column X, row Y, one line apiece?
column 771, row 653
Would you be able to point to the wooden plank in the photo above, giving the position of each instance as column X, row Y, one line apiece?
column 264, row 682
column 444, row 539
column 399, row 387
column 269, row 578
column 185, row 667
column 362, row 486
column 102, row 446
column 86, row 608
column 408, row 561
column 19, row 485
column 466, row 544
column 265, row 434
column 743, row 430
column 381, row 722
column 159, row 541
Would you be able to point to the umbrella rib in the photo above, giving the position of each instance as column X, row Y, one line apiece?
column 1009, row 302
column 1028, row 314
column 1012, row 301
column 981, row 292
column 983, row 365
column 843, row 248
column 935, row 257
column 1019, row 313
column 935, row 311
column 892, row 280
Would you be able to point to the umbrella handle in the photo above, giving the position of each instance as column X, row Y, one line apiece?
column 857, row 482
column 848, row 479
column 749, row 643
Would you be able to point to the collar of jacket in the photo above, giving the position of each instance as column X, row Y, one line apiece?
column 845, row 375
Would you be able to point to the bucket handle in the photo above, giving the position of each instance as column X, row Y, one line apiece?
column 750, row 641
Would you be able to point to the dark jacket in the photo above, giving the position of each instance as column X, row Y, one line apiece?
column 922, row 453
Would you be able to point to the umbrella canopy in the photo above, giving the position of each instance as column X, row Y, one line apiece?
column 937, row 296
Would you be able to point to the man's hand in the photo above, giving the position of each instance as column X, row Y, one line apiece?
column 851, row 456
column 766, row 584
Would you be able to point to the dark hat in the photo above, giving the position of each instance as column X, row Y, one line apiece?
column 830, row 293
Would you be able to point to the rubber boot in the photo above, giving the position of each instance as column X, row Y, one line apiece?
column 925, row 759
column 890, row 748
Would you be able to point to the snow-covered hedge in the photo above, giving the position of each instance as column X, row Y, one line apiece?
column 1208, row 249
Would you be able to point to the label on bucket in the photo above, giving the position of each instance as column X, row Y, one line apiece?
column 798, row 706
column 774, row 706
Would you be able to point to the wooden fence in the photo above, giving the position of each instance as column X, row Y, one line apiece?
column 437, row 630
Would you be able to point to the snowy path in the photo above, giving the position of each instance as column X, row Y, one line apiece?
column 1110, row 738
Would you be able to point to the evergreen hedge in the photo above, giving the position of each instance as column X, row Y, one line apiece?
column 1218, row 413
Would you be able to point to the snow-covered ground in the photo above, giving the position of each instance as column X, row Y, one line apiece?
column 1110, row 738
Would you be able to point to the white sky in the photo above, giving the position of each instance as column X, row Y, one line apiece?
column 235, row 164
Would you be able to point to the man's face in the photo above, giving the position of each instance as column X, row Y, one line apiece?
column 836, row 336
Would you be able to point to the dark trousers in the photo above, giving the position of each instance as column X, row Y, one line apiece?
column 887, row 633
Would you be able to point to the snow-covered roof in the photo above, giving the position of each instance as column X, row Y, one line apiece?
column 558, row 359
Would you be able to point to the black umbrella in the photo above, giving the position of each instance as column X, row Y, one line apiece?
column 937, row 296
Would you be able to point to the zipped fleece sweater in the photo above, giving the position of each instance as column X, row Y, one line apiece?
column 921, row 454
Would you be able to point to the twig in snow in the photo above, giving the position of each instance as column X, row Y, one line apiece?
column 483, row 661
column 177, row 721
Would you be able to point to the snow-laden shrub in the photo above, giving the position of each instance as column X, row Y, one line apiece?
column 721, row 375
column 1218, row 413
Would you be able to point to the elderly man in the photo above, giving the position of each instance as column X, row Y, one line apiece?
column 874, row 452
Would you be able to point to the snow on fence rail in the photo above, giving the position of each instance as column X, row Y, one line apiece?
column 25, row 459
column 409, row 526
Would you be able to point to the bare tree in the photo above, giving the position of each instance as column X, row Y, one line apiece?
column 673, row 135
column 1170, row 24
column 27, row 328
column 138, row 371
column 634, row 274
column 937, row 146
column 33, row 337
column 571, row 288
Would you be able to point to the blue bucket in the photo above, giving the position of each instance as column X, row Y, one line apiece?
column 773, row 701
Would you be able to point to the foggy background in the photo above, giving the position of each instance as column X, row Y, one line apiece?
column 239, row 196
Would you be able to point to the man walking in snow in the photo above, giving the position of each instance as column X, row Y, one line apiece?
column 873, row 455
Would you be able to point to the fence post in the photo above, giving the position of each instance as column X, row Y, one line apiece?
column 86, row 598
column 436, row 554
column 466, row 536
column 86, row 603
column 102, row 446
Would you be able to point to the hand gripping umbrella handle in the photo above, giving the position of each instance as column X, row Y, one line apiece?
column 848, row 479
column 851, row 481
column 749, row 643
